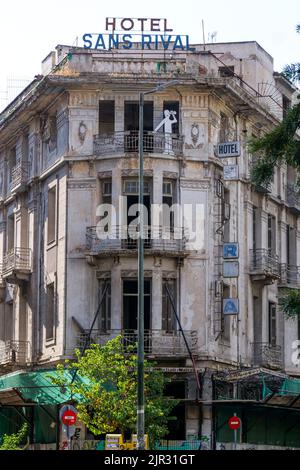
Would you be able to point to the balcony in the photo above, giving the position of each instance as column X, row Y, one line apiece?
column 17, row 265
column 293, row 198
column 14, row 352
column 19, row 177
column 121, row 241
column 289, row 276
column 157, row 343
column 264, row 266
column 128, row 142
column 267, row 355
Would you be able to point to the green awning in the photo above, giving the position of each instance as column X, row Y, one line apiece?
column 37, row 387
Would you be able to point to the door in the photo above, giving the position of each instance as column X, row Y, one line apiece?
column 131, row 126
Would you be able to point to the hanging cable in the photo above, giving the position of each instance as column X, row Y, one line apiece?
column 88, row 337
column 185, row 340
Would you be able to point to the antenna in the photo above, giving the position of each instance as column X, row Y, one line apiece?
column 204, row 47
column 212, row 36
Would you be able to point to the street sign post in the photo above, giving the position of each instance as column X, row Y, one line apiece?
column 231, row 306
column 230, row 250
column 69, row 418
column 234, row 423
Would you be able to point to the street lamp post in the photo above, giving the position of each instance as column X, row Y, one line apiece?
column 141, row 326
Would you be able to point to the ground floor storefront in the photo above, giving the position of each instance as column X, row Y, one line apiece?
column 267, row 404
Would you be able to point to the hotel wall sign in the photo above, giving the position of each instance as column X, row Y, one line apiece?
column 137, row 33
column 228, row 149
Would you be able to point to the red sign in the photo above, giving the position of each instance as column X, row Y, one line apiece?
column 69, row 418
column 234, row 423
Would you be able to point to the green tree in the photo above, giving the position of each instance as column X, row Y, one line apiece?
column 13, row 441
column 281, row 145
column 109, row 391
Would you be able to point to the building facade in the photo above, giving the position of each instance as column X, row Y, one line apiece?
column 69, row 144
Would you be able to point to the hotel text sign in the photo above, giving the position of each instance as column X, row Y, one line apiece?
column 126, row 33
column 229, row 149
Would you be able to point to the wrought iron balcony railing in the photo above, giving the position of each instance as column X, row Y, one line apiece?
column 158, row 343
column 293, row 197
column 19, row 175
column 14, row 352
column 289, row 276
column 122, row 238
column 17, row 260
column 267, row 355
column 128, row 142
column 264, row 262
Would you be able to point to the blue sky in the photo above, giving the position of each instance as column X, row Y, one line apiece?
column 30, row 29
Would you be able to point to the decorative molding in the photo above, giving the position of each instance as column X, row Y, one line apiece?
column 82, row 131
column 104, row 174
column 82, row 184
column 129, row 172
column 134, row 274
column 170, row 175
column 169, row 275
column 193, row 184
column 157, row 262
column 195, row 101
column 83, row 98
column 103, row 274
column 214, row 118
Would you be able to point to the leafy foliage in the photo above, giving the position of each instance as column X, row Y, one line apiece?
column 13, row 441
column 290, row 303
column 292, row 71
column 280, row 144
column 277, row 146
column 109, row 394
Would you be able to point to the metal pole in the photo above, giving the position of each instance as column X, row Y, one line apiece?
column 235, row 436
column 140, row 364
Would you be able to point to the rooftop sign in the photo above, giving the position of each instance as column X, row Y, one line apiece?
column 130, row 33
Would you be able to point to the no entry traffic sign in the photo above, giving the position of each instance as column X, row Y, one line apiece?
column 69, row 418
column 234, row 423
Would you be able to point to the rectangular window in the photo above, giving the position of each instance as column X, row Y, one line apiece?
column 105, row 309
column 291, row 245
column 10, row 242
column 168, row 217
column 106, row 117
column 271, row 234
column 132, row 187
column 168, row 316
column 226, row 318
column 254, row 228
column 272, row 324
column 226, row 71
column 106, row 191
column 52, row 215
column 224, row 127
column 130, row 304
column 173, row 106
column 50, row 311
column 131, row 126
column 12, row 161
